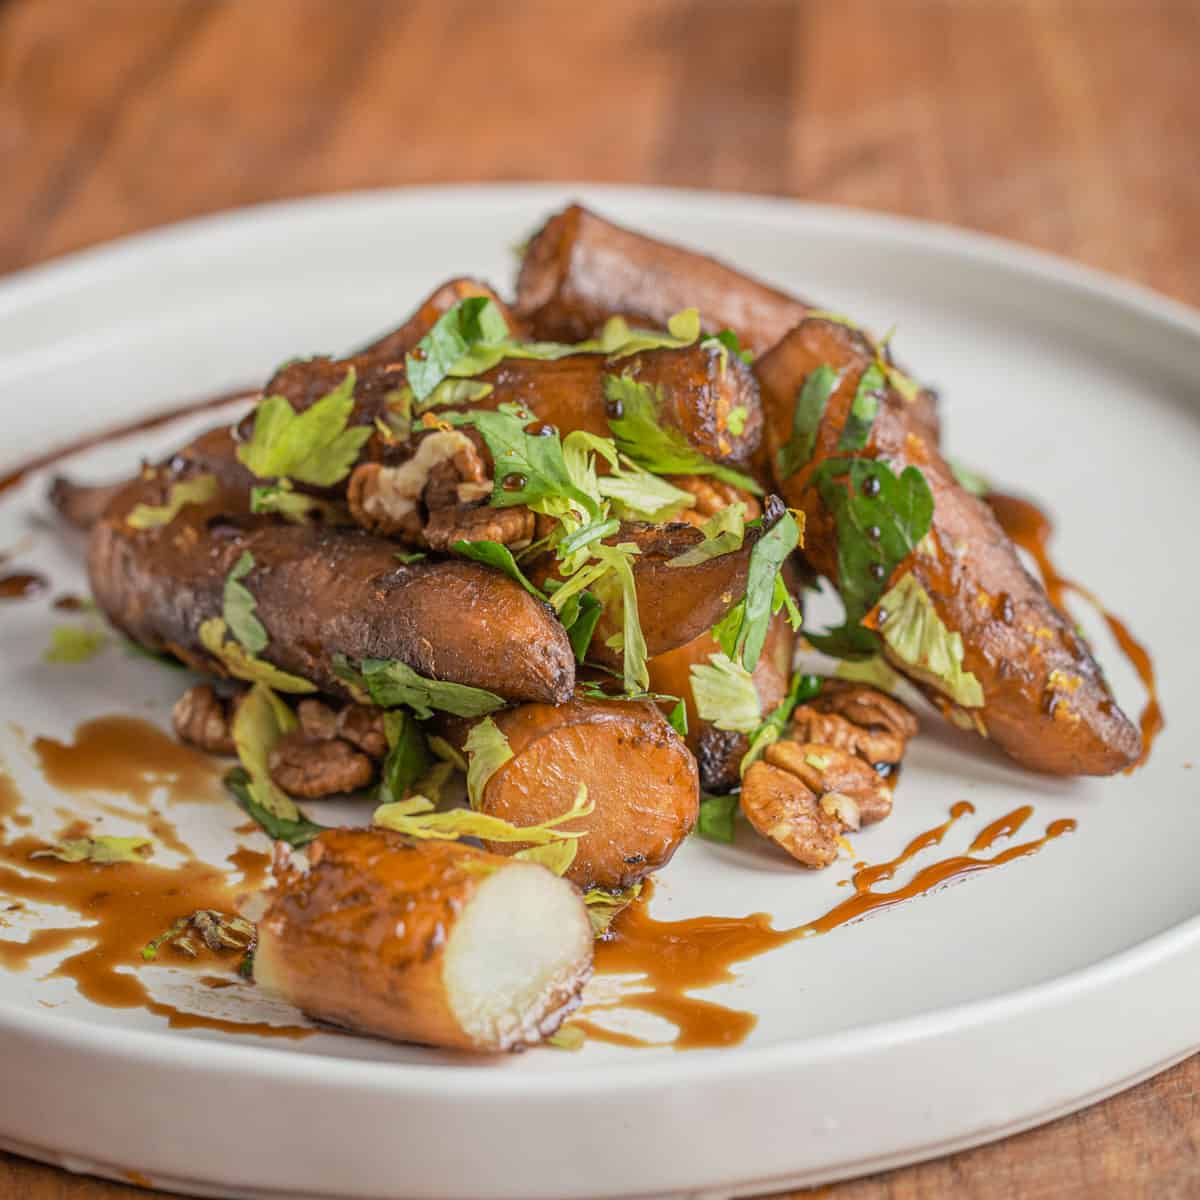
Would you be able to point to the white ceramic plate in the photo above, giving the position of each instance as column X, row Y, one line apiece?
column 963, row 1016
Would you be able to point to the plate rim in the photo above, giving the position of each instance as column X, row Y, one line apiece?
column 60, row 275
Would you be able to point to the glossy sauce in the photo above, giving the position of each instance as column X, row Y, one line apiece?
column 125, row 905
column 22, row 585
column 674, row 957
column 144, row 425
column 1031, row 529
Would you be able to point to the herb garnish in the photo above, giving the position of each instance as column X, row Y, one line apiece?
column 408, row 757
column 314, row 446
column 239, row 605
column 390, row 684
column 640, row 434
column 473, row 321
column 725, row 694
column 296, row 831
column 880, row 518
column 801, row 689
column 103, row 851
column 197, row 490
column 809, row 408
column 74, row 644
column 742, row 632
column 716, row 819
column 496, row 554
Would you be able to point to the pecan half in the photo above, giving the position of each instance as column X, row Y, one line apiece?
column 826, row 770
column 509, row 526
column 362, row 725
column 858, row 719
column 782, row 808
column 311, row 768
column 204, row 719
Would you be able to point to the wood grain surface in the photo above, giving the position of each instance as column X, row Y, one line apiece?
column 1070, row 125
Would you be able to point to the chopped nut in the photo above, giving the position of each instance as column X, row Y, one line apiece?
column 871, row 745
column 779, row 805
column 373, row 506
column 866, row 706
column 203, row 719
column 508, row 526
column 311, row 768
column 858, row 719
column 826, row 769
column 362, row 725
column 712, row 495
column 317, row 719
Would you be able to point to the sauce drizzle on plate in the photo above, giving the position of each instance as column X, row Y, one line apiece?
column 673, row 957
column 1031, row 529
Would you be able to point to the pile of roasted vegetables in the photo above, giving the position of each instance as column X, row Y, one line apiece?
column 555, row 553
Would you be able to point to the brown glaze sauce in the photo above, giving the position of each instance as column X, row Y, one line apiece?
column 92, row 440
column 22, row 585
column 674, row 957
column 1031, row 529
column 118, row 909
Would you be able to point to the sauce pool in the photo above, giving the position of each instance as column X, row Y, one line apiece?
column 115, row 910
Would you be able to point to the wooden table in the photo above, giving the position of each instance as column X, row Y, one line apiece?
column 1074, row 126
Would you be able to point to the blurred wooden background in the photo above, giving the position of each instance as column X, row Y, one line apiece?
column 1073, row 125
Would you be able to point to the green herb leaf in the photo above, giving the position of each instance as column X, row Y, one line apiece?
column 390, row 684
column 282, row 500
column 200, row 489
column 604, row 907
column 640, row 435
column 239, row 605
column 876, row 671
column 408, row 757
column 809, row 408
column 453, row 393
column 732, row 344
column 296, row 831
column 494, row 554
column 261, row 720
column 617, row 591
column 618, row 339
column 529, row 469
column 580, row 617
column 801, row 688
column 104, row 851
column 72, row 644
column 716, row 819
column 917, row 636
column 736, row 421
column 763, row 588
column 863, row 409
column 554, row 856
column 879, row 520
column 678, row 719
column 725, row 695
column 724, row 532
column 242, row 665
column 638, row 495
column 314, row 447
column 416, row 818
column 470, row 322
column 487, row 751
column 408, row 558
